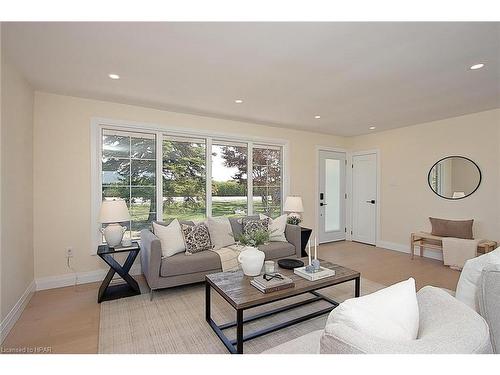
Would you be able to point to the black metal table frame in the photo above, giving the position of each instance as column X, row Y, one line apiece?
column 235, row 346
column 122, row 270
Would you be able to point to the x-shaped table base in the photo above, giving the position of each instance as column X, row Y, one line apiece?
column 131, row 288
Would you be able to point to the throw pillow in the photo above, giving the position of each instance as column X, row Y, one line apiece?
column 452, row 228
column 171, row 239
column 221, row 233
column 276, row 228
column 197, row 238
column 252, row 225
column 390, row 313
column 468, row 282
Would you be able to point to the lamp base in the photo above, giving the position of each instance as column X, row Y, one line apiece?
column 113, row 234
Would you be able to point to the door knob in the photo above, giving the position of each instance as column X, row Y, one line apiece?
column 371, row 201
column 323, row 204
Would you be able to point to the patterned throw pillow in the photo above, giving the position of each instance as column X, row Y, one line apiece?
column 197, row 238
column 251, row 225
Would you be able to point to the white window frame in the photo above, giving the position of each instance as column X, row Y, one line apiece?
column 161, row 131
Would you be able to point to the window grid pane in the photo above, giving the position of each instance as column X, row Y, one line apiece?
column 184, row 181
column 129, row 172
column 229, row 179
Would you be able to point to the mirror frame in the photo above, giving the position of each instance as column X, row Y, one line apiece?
column 449, row 157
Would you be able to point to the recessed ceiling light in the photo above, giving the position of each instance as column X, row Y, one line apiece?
column 476, row 66
column 238, row 101
column 113, row 76
column 317, row 117
column 372, row 127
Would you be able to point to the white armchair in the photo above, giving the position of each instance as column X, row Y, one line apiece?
column 446, row 326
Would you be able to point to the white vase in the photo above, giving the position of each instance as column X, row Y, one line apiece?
column 251, row 260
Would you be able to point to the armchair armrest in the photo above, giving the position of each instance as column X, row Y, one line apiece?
column 150, row 258
column 294, row 236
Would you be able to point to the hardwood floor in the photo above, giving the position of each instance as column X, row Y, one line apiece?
column 67, row 319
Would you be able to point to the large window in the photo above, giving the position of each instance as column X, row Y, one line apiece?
column 163, row 176
column 129, row 172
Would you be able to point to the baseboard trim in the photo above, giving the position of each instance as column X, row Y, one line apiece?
column 14, row 314
column 70, row 279
column 406, row 249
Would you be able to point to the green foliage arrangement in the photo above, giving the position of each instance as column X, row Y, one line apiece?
column 294, row 220
column 254, row 238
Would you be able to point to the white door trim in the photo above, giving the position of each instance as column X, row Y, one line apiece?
column 349, row 194
column 319, row 148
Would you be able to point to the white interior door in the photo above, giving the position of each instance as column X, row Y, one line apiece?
column 364, row 198
column 331, row 196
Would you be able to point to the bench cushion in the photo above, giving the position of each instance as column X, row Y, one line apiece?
column 452, row 228
column 179, row 264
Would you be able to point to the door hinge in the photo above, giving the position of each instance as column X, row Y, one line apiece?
column 345, row 195
column 352, row 165
column 351, row 232
column 345, row 230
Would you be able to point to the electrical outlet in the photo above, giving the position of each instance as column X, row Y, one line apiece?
column 69, row 252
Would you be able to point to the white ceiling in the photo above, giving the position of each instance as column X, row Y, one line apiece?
column 354, row 75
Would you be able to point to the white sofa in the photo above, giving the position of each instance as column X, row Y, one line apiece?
column 446, row 326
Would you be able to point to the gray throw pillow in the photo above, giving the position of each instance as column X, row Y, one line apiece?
column 252, row 225
column 197, row 238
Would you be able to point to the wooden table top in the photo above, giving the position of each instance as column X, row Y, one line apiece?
column 236, row 289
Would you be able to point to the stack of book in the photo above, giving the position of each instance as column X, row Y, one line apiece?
column 272, row 284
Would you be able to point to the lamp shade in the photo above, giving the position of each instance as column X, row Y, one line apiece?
column 114, row 211
column 293, row 204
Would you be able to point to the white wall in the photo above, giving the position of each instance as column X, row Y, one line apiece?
column 408, row 153
column 62, row 157
column 62, row 171
column 17, row 265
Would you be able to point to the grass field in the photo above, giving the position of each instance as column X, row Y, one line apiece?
column 228, row 208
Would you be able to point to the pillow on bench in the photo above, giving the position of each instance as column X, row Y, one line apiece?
column 452, row 228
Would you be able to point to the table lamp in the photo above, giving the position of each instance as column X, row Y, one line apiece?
column 113, row 212
column 293, row 205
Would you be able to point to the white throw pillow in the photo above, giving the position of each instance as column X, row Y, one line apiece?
column 171, row 238
column 469, row 278
column 221, row 232
column 390, row 313
column 276, row 228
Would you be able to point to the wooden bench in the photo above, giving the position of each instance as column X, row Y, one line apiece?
column 429, row 241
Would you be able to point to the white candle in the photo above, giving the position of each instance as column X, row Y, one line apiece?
column 315, row 249
column 309, row 251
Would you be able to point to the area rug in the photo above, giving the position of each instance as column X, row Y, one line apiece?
column 174, row 322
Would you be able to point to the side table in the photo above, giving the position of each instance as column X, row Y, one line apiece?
column 131, row 288
column 305, row 234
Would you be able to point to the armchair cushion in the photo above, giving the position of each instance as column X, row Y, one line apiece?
column 446, row 326
column 467, row 287
column 390, row 313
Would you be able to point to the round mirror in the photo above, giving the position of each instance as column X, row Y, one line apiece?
column 454, row 177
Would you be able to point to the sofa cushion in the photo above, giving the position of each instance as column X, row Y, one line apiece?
column 467, row 287
column 275, row 250
column 180, row 264
column 171, row 238
column 253, row 225
column 196, row 238
column 221, row 232
column 276, row 228
column 388, row 314
column 237, row 225
column 452, row 228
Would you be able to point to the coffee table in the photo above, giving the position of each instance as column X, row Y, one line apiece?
column 235, row 288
